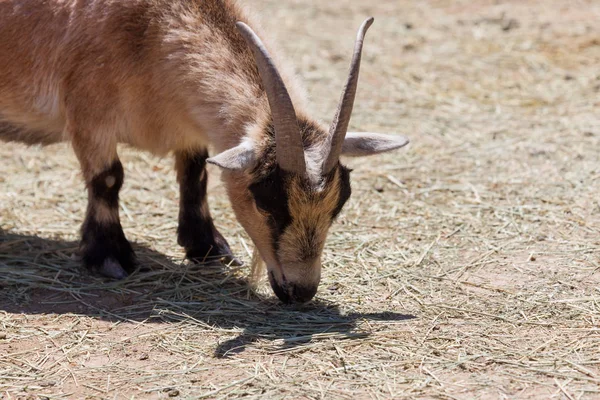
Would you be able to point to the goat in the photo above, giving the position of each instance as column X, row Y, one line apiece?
column 175, row 76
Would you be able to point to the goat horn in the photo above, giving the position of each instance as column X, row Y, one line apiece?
column 288, row 141
column 339, row 126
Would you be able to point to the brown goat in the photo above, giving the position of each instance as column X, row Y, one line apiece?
column 177, row 76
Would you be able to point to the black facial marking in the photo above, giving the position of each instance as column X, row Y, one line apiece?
column 196, row 231
column 271, row 198
column 345, row 190
column 106, row 185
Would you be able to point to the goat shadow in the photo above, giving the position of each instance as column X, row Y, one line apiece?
column 42, row 276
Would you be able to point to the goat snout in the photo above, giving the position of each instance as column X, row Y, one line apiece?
column 289, row 292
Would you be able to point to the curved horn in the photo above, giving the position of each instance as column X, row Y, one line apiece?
column 339, row 126
column 288, row 141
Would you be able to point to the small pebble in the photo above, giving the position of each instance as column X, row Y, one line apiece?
column 509, row 24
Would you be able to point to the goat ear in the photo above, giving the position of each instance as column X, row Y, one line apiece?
column 235, row 159
column 359, row 144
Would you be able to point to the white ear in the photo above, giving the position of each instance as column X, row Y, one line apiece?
column 237, row 158
column 358, row 144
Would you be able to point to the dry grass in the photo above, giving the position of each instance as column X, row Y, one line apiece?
column 465, row 267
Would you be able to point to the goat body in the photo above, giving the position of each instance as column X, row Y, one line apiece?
column 177, row 76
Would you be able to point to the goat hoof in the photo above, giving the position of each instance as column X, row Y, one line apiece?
column 112, row 269
column 213, row 253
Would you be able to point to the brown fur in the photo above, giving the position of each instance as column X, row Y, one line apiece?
column 302, row 244
column 104, row 214
column 312, row 211
column 163, row 76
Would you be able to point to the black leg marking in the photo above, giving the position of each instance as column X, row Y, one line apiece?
column 196, row 231
column 103, row 243
column 106, row 185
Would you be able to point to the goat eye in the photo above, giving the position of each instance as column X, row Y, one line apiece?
column 261, row 204
column 261, row 209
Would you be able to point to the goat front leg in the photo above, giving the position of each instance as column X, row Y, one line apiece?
column 196, row 232
column 104, row 248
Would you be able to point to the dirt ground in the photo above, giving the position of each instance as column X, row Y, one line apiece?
column 465, row 266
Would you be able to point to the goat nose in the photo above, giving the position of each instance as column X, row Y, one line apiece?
column 302, row 294
column 290, row 293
